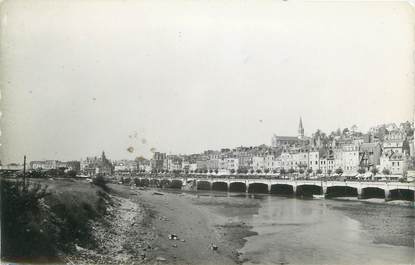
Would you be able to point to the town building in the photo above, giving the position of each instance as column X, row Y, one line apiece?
column 369, row 155
column 158, row 161
column 97, row 165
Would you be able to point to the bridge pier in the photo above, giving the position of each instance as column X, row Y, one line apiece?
column 359, row 193
column 295, row 189
column 387, row 194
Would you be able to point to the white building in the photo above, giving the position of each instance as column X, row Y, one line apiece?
column 258, row 163
column 347, row 158
column 232, row 164
column 396, row 163
column 313, row 160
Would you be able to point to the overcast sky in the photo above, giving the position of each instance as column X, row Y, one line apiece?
column 79, row 77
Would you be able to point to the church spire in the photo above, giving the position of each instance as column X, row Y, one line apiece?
column 301, row 129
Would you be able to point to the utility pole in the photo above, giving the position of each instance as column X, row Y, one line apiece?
column 24, row 171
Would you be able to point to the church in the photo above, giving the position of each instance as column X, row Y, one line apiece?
column 284, row 141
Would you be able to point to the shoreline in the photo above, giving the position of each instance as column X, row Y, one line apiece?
column 198, row 219
column 197, row 224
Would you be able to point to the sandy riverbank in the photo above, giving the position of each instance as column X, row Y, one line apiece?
column 198, row 221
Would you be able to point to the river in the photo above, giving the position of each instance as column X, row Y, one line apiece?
column 297, row 231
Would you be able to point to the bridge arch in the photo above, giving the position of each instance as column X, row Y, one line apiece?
column 282, row 189
column 341, row 191
column 165, row 183
column 308, row 190
column 154, row 182
column 237, row 187
column 176, row 184
column 220, row 186
column 401, row 194
column 258, row 188
column 372, row 192
column 203, row 185
column 145, row 182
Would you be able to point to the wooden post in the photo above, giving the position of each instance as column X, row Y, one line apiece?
column 24, row 172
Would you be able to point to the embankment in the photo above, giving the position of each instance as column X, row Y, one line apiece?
column 39, row 224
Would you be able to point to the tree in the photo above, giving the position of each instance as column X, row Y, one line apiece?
column 266, row 170
column 100, row 181
column 36, row 174
column 291, row 171
column 283, row 172
column 301, row 171
column 232, row 171
column 339, row 171
column 319, row 171
column 210, row 171
column 374, row 171
column 329, row 172
column 386, row 171
column 345, row 131
column 216, row 171
column 242, row 170
column 252, row 171
column 361, row 170
column 309, row 170
column 258, row 171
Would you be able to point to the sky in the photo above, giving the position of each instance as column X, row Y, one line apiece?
column 80, row 77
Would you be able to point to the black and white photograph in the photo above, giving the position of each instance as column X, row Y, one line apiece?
column 202, row 132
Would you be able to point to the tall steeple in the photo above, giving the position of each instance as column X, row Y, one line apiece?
column 300, row 129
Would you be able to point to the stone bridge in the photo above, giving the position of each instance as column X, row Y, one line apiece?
column 363, row 190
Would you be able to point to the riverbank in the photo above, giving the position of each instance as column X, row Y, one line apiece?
column 137, row 222
column 198, row 222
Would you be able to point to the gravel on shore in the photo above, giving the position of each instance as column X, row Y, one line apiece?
column 138, row 227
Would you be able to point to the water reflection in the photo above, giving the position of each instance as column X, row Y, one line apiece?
column 311, row 232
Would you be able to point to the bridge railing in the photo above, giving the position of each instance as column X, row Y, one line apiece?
column 265, row 177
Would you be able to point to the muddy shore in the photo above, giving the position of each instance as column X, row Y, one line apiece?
column 198, row 221
column 141, row 220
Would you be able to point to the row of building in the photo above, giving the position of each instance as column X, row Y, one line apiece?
column 386, row 148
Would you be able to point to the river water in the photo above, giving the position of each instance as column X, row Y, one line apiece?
column 297, row 231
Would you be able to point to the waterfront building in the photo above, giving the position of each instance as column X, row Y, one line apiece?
column 44, row 165
column 346, row 157
column 258, row 163
column 270, row 162
column 313, row 159
column 97, row 165
column 173, row 163
column 12, row 167
column 232, row 164
column 369, row 155
column 55, row 164
column 213, row 164
column 327, row 164
column 125, row 166
column 396, row 163
column 158, row 161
